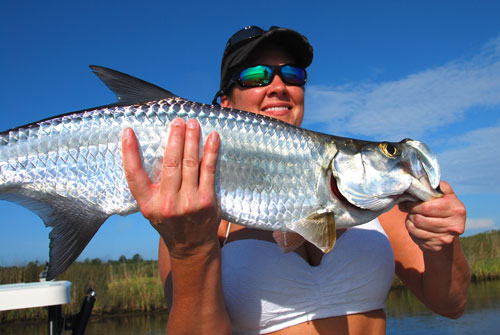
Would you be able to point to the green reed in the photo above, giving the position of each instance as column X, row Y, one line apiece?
column 121, row 287
column 483, row 253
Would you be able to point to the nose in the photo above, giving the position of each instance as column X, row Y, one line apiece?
column 277, row 87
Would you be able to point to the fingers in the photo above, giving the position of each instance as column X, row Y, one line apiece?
column 446, row 188
column 441, row 207
column 208, row 165
column 171, row 178
column 430, row 240
column 181, row 169
column 445, row 215
column 448, row 225
column 181, row 163
column 137, row 179
column 190, row 160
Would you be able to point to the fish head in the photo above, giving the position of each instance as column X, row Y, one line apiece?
column 374, row 176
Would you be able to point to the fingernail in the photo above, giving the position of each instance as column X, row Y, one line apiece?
column 177, row 122
column 126, row 134
column 191, row 124
column 214, row 137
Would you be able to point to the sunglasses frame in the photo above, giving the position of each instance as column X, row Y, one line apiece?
column 275, row 70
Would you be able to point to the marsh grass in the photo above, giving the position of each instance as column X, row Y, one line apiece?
column 121, row 287
column 483, row 253
column 134, row 286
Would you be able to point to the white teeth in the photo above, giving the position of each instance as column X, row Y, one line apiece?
column 276, row 109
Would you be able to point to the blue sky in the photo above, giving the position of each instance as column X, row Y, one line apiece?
column 429, row 70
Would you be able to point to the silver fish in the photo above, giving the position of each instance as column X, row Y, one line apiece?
column 270, row 175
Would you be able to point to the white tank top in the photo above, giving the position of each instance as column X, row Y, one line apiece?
column 266, row 290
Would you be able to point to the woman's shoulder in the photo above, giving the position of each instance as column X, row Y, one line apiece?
column 393, row 223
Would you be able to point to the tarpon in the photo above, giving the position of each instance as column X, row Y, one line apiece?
column 270, row 175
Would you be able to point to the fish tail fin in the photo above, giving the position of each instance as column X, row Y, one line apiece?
column 319, row 229
column 68, row 238
column 73, row 226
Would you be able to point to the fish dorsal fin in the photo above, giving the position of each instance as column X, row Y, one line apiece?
column 317, row 228
column 130, row 90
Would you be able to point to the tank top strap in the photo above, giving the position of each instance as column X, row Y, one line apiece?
column 227, row 233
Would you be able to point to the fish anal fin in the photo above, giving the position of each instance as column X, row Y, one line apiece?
column 317, row 228
column 288, row 241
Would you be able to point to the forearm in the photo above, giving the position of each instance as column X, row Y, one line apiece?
column 198, row 304
column 445, row 280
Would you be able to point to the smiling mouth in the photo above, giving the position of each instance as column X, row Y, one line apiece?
column 277, row 110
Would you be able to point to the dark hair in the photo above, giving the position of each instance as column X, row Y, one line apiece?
column 241, row 44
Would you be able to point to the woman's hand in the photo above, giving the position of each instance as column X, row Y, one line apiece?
column 183, row 206
column 435, row 224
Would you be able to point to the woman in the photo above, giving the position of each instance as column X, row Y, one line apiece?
column 249, row 286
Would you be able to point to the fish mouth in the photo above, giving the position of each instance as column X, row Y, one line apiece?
column 422, row 190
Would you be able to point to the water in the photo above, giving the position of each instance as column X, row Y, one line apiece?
column 405, row 315
column 478, row 323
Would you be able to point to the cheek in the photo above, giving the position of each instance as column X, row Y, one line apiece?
column 299, row 118
column 296, row 117
column 248, row 100
column 297, row 94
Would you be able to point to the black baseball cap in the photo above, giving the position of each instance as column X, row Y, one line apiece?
column 240, row 46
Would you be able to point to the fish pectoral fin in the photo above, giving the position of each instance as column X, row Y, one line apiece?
column 73, row 225
column 317, row 228
column 129, row 89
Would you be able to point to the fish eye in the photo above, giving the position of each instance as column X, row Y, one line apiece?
column 388, row 149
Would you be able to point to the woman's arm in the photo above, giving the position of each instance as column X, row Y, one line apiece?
column 427, row 251
column 183, row 208
column 194, row 289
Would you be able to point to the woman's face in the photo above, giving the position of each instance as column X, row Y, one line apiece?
column 277, row 100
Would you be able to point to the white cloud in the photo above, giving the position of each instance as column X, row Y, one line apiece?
column 473, row 164
column 415, row 105
column 484, row 224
